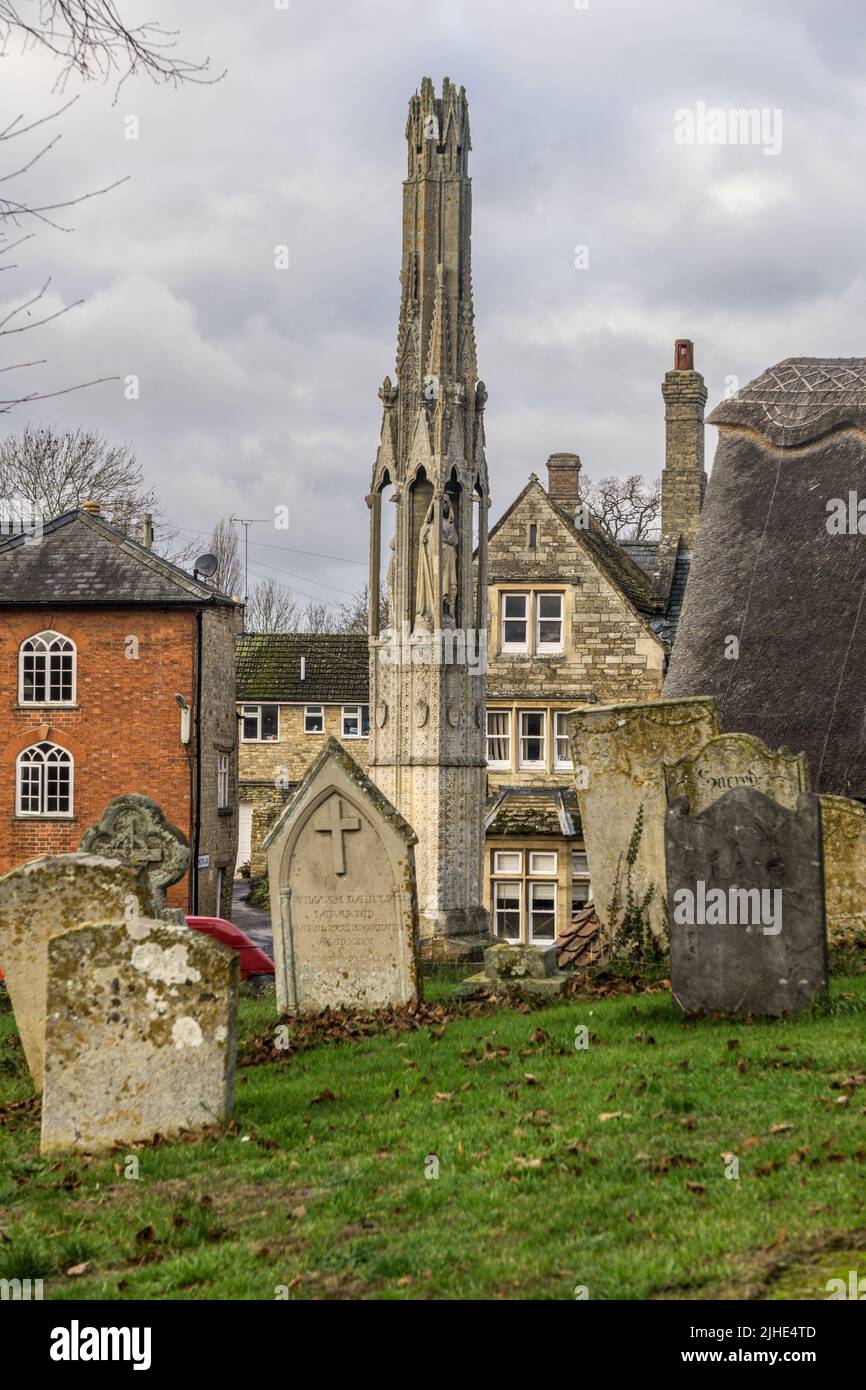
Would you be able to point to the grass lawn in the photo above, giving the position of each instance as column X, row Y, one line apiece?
column 322, row 1187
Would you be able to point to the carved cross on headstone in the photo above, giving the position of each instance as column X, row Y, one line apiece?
column 132, row 828
column 337, row 827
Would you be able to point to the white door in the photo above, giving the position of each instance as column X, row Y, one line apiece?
column 245, row 832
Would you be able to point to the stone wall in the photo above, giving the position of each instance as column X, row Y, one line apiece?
column 610, row 653
column 218, row 836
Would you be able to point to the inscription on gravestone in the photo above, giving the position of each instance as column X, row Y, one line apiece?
column 343, row 898
column 746, row 904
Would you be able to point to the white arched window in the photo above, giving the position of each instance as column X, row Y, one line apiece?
column 43, row 777
column 46, row 665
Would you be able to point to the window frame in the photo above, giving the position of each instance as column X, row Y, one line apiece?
column 314, row 712
column 521, row 647
column 560, row 764
column 508, row 873
column 581, row 876
column 354, row 711
column 504, row 764
column 517, row 885
column 523, row 762
column 262, row 705
column 66, row 760
column 48, row 636
column 223, row 771
column 531, row 885
column 545, row 647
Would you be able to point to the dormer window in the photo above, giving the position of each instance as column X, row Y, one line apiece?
column 46, row 667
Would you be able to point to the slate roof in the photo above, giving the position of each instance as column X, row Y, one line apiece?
column 767, row 571
column 533, row 810
column 81, row 559
column 336, row 668
column 800, row 399
column 644, row 554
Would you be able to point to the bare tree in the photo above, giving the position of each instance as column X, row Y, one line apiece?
column 321, row 617
column 271, row 607
column 57, row 470
column 92, row 41
column 629, row 507
column 224, row 545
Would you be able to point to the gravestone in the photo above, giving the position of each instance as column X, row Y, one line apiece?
column 343, row 899
column 618, row 753
column 512, row 967
column 844, row 826
column 746, row 904
column 134, row 829
column 139, row 1035
column 737, row 760
column 42, row 899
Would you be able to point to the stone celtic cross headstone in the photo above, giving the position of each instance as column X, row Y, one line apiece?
column 746, row 904
column 618, row 753
column 343, row 897
column 42, row 899
column 737, row 760
column 134, row 829
column 140, row 1033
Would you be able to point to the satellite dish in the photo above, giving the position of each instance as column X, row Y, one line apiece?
column 206, row 565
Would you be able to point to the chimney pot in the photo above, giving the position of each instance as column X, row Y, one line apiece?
column 684, row 355
column 563, row 478
column 92, row 507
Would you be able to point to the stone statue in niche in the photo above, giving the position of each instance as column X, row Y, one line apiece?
column 390, row 590
column 425, row 587
column 449, row 566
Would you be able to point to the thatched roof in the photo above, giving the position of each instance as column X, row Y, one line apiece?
column 799, row 400
column 768, row 572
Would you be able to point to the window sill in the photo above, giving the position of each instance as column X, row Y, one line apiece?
column 23, row 818
column 38, row 705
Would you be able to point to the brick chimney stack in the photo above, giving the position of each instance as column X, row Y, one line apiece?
column 683, row 480
column 563, row 479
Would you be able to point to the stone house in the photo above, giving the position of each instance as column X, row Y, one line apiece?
column 293, row 690
column 117, row 675
column 574, row 618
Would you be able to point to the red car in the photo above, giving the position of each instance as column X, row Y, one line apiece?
column 253, row 961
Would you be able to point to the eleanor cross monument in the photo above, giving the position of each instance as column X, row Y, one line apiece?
column 428, row 510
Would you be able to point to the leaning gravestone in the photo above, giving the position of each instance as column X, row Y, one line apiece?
column 737, row 760
column 746, row 904
column 140, row 1033
column 134, row 829
column 844, row 826
column 343, row 898
column 42, row 899
column 618, row 753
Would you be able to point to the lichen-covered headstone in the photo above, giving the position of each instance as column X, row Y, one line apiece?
column 343, row 898
column 512, row 967
column 134, row 829
column 844, row 826
column 42, row 899
column 618, row 753
column 140, row 1033
column 737, row 760
column 746, row 904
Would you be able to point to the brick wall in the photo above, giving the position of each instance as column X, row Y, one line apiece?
column 123, row 733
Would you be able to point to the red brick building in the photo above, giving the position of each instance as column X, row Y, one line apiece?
column 117, row 675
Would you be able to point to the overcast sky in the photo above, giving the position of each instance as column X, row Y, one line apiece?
column 258, row 386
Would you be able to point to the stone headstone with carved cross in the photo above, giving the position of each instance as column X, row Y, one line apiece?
column 134, row 829
column 343, row 898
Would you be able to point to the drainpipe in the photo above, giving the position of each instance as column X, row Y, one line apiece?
column 196, row 837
